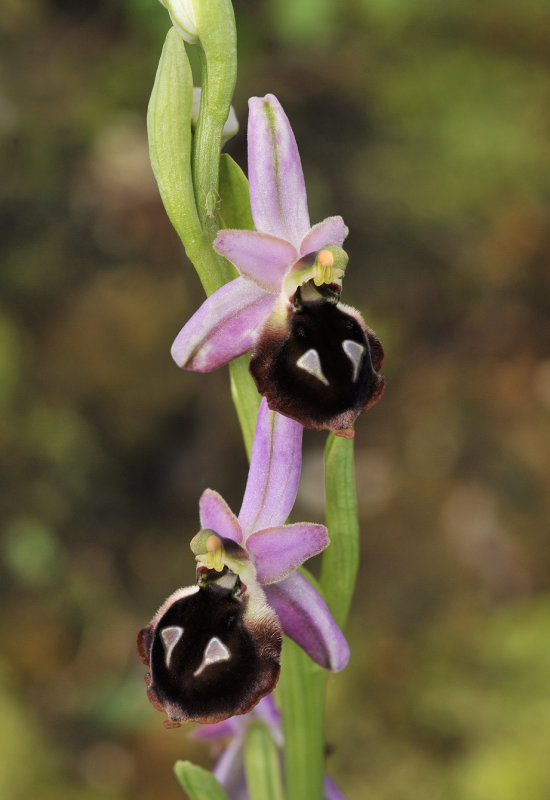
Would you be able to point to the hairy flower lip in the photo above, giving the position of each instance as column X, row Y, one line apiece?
column 183, row 681
column 337, row 390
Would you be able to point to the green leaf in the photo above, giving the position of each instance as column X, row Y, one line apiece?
column 169, row 130
column 262, row 764
column 341, row 559
column 235, row 198
column 198, row 782
column 170, row 151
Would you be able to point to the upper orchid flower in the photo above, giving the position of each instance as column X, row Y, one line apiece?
column 313, row 359
column 229, row 768
column 213, row 649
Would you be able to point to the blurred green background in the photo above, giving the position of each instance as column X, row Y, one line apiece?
column 426, row 125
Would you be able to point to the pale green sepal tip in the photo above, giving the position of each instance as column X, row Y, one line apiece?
column 198, row 782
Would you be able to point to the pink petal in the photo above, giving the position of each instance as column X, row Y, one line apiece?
column 267, row 711
column 223, row 328
column 278, row 551
column 229, row 767
column 216, row 730
column 305, row 617
column 274, row 471
column 277, row 189
column 216, row 515
column 330, row 790
column 331, row 230
column 260, row 257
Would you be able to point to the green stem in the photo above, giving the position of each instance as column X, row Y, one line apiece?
column 218, row 40
column 341, row 559
column 187, row 171
column 261, row 762
column 303, row 684
column 170, row 143
column 206, row 171
column 245, row 398
column 301, row 691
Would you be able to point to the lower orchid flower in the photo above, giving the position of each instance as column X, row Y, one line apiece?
column 229, row 767
column 213, row 649
column 313, row 359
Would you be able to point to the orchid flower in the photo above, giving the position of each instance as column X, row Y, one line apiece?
column 313, row 359
column 229, row 767
column 213, row 649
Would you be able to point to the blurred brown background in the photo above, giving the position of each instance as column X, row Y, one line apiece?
column 426, row 125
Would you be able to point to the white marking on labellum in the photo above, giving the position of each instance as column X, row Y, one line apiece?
column 170, row 637
column 310, row 362
column 354, row 352
column 215, row 651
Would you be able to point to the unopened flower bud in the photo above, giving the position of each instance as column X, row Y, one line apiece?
column 182, row 15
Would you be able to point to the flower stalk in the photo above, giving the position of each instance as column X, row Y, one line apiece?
column 273, row 283
column 302, row 689
column 183, row 187
column 218, row 41
column 262, row 766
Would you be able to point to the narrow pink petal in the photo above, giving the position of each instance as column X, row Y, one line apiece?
column 277, row 189
column 229, row 766
column 258, row 256
column 224, row 327
column 278, row 551
column 268, row 712
column 274, row 471
column 305, row 617
column 331, row 230
column 216, row 730
column 216, row 515
column 330, row 790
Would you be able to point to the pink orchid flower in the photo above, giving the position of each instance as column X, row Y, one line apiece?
column 213, row 649
column 313, row 358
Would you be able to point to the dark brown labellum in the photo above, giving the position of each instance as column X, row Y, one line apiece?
column 319, row 368
column 207, row 660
